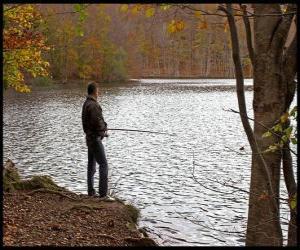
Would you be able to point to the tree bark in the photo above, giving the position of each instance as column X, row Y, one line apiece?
column 290, row 69
column 270, row 96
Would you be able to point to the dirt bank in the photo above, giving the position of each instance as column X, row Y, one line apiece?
column 37, row 212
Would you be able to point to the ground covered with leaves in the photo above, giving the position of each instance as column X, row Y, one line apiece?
column 44, row 216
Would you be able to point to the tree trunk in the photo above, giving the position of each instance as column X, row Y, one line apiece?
column 271, row 91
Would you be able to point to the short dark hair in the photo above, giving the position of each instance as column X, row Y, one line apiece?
column 91, row 88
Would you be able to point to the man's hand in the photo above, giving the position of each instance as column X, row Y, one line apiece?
column 106, row 134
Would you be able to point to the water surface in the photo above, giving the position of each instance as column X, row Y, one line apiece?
column 43, row 135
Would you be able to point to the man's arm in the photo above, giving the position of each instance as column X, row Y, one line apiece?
column 98, row 120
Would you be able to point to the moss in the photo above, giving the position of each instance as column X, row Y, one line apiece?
column 133, row 212
column 12, row 180
column 37, row 182
column 10, row 176
column 8, row 186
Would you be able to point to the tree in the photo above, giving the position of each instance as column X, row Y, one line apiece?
column 23, row 45
column 274, row 71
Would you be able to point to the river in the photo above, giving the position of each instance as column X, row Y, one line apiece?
column 43, row 134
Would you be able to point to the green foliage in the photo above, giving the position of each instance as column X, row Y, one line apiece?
column 293, row 201
column 81, row 10
column 113, row 63
column 287, row 134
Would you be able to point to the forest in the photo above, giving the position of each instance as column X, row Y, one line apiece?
column 111, row 42
column 213, row 85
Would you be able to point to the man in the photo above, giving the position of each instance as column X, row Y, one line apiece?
column 95, row 129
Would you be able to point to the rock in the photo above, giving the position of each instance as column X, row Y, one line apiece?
column 10, row 176
column 12, row 180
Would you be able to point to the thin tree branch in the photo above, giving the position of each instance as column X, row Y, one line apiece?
column 203, row 12
column 259, row 123
column 248, row 34
column 239, row 75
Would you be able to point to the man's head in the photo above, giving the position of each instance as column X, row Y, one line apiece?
column 92, row 89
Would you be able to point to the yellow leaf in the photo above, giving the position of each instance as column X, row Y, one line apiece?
column 124, row 7
column 284, row 117
column 150, row 12
column 136, row 9
column 172, row 27
column 284, row 9
column 198, row 13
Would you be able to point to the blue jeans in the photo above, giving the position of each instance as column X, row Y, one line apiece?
column 96, row 153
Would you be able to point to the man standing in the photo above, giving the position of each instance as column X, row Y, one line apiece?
column 95, row 129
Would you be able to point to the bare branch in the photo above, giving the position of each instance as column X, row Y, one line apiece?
column 195, row 179
column 250, row 14
column 248, row 33
column 261, row 124
column 239, row 75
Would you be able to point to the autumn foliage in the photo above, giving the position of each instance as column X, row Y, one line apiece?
column 23, row 44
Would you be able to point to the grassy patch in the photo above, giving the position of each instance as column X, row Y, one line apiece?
column 133, row 212
column 37, row 182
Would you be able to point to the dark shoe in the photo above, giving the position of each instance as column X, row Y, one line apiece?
column 92, row 193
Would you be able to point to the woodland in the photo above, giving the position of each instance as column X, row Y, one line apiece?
column 117, row 42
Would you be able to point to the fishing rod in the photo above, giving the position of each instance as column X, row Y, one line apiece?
column 142, row 131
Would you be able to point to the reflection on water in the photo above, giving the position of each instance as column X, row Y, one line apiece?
column 43, row 135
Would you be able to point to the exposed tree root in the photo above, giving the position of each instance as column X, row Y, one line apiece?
column 45, row 190
column 83, row 207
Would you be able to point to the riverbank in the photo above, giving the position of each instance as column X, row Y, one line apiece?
column 37, row 212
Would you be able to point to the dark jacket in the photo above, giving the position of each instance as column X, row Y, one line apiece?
column 92, row 119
